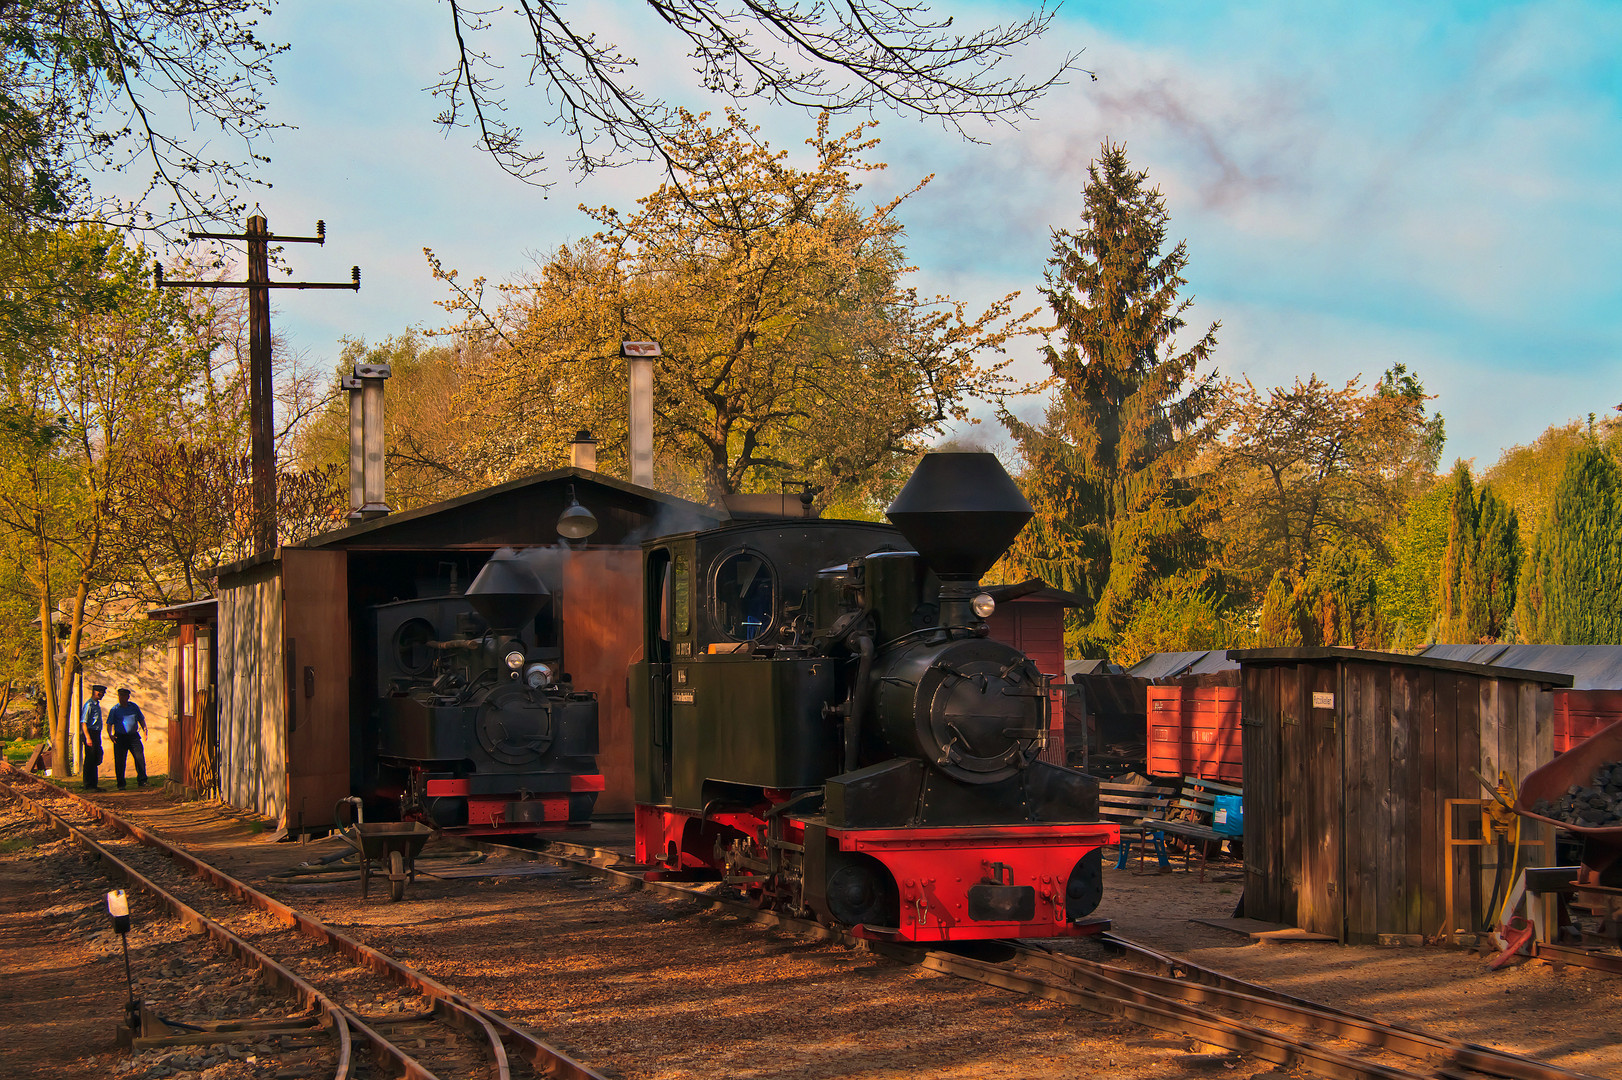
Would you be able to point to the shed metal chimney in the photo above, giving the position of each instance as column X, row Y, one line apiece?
column 365, row 388
column 640, row 356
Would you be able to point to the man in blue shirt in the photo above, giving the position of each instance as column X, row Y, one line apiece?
column 90, row 730
column 126, row 723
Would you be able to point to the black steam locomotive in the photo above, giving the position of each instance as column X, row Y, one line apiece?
column 821, row 720
column 477, row 728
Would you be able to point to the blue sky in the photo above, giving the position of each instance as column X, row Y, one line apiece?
column 1359, row 184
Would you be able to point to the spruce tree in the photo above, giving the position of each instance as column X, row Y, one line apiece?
column 1456, row 621
column 1476, row 585
column 1497, row 565
column 1408, row 587
column 1108, row 473
column 1569, row 593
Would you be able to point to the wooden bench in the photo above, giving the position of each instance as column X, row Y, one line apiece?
column 1140, row 812
column 1191, row 816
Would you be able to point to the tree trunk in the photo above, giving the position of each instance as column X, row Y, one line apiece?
column 72, row 667
column 55, row 729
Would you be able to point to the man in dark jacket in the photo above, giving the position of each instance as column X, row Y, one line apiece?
column 126, row 723
column 90, row 729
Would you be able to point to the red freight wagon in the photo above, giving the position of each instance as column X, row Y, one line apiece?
column 1580, row 713
column 1194, row 731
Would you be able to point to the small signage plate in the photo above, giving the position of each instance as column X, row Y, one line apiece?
column 682, row 697
column 1321, row 700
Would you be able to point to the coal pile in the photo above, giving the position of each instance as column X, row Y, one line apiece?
column 1598, row 806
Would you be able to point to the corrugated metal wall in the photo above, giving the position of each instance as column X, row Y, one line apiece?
column 252, row 694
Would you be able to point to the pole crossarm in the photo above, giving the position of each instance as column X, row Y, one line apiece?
column 260, row 389
column 165, row 283
column 320, row 236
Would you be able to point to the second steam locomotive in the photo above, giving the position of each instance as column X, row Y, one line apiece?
column 821, row 720
column 478, row 728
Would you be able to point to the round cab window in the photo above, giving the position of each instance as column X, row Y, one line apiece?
column 744, row 595
column 411, row 648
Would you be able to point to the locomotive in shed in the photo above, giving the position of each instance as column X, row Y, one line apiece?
column 821, row 721
column 477, row 727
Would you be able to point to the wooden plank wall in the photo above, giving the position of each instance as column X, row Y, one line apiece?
column 253, row 705
column 1195, row 731
column 1320, row 897
column 1259, row 697
column 179, row 738
column 1035, row 627
column 601, row 610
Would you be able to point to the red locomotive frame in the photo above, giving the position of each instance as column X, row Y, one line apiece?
column 934, row 867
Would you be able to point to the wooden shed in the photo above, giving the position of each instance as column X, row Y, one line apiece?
column 297, row 680
column 193, row 731
column 1594, row 700
column 1030, row 617
column 1349, row 758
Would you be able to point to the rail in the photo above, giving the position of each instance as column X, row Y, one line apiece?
column 500, row 1034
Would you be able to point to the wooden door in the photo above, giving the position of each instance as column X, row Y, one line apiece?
column 601, row 609
column 316, row 658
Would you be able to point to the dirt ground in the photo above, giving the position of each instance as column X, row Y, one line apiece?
column 1566, row 1015
column 586, row 972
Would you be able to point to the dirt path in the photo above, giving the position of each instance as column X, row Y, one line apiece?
column 1569, row 1016
column 61, row 981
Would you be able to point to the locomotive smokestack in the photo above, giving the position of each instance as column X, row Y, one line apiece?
column 960, row 511
column 507, row 592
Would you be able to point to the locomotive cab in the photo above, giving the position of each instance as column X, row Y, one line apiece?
column 822, row 721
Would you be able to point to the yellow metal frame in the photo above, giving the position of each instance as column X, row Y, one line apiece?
column 1450, row 931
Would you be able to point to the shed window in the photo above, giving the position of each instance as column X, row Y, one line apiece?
column 744, row 595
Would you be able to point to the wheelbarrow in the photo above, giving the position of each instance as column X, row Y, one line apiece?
column 393, row 845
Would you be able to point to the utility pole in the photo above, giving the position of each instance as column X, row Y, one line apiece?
column 261, row 393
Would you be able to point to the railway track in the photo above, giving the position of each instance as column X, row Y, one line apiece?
column 1181, row 997
column 424, row 1031
column 1174, row 996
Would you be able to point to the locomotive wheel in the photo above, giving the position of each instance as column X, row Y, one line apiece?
column 396, row 875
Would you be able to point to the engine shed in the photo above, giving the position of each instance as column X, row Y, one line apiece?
column 297, row 670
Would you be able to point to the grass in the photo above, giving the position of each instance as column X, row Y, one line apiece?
column 16, row 843
column 17, row 750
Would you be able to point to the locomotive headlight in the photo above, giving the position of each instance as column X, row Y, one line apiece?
column 538, row 675
column 983, row 605
column 515, row 659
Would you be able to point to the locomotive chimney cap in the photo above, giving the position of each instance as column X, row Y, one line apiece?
column 508, row 592
column 960, row 511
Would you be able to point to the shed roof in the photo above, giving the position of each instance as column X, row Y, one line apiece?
column 194, row 609
column 1170, row 665
column 1034, row 589
column 1336, row 652
column 1591, row 667
column 520, row 513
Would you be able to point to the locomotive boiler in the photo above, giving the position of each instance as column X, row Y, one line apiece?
column 821, row 720
column 476, row 725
